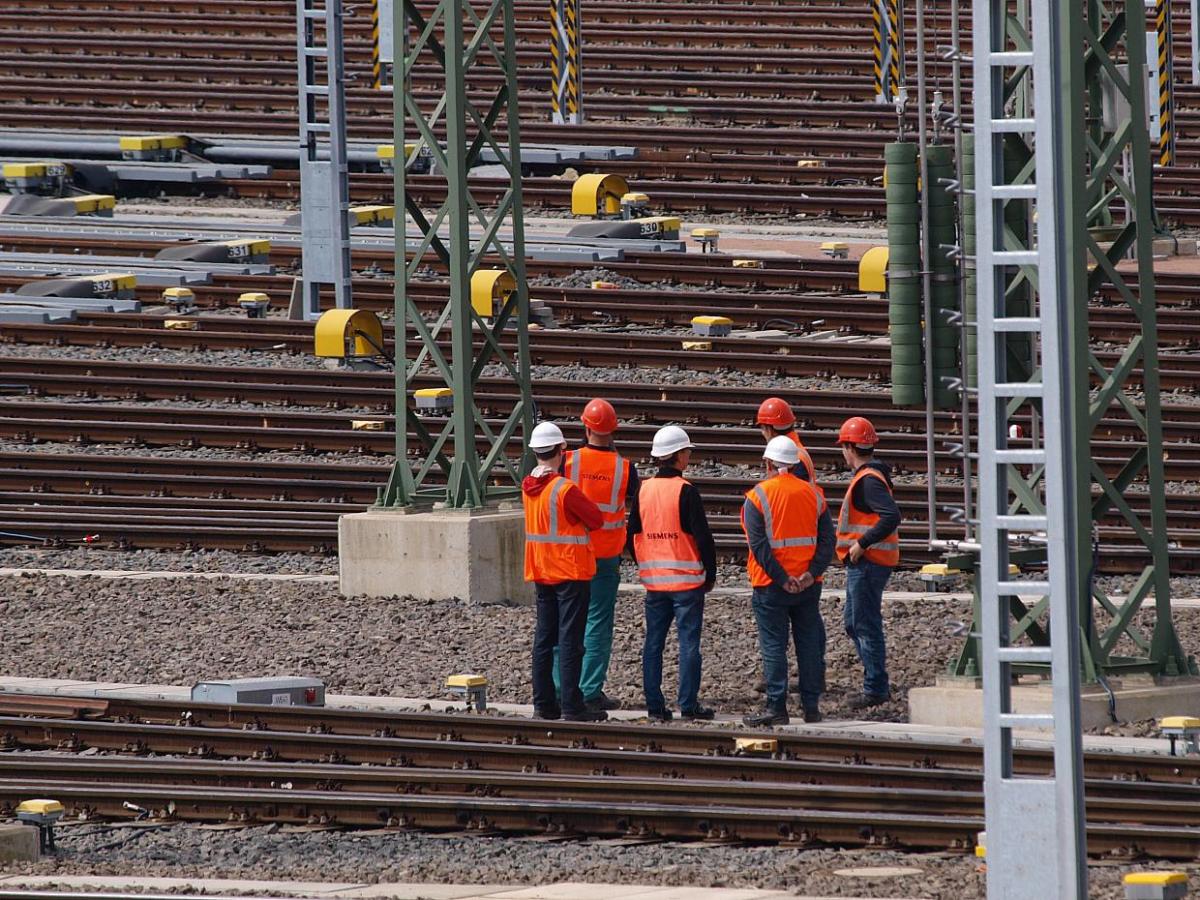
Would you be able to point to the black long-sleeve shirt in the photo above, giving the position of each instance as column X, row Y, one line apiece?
column 871, row 496
column 760, row 544
column 691, row 519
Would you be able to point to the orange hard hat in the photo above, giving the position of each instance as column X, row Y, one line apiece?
column 774, row 411
column 858, row 431
column 600, row 416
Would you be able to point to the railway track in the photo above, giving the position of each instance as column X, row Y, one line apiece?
column 485, row 775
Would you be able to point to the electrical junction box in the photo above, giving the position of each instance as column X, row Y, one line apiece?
column 263, row 691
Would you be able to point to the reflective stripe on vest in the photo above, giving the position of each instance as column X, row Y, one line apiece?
column 554, row 537
column 791, row 510
column 668, row 558
column 853, row 523
column 609, row 539
column 555, row 549
column 769, row 522
column 805, row 458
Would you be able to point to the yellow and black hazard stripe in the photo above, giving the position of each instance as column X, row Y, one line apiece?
column 376, row 64
column 555, row 61
column 571, row 13
column 1166, row 87
column 893, row 18
column 877, row 48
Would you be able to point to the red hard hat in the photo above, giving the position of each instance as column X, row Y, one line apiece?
column 858, row 431
column 774, row 411
column 600, row 416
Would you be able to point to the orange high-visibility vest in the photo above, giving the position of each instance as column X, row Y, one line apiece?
column 853, row 523
column 555, row 550
column 805, row 459
column 604, row 478
column 668, row 559
column 790, row 509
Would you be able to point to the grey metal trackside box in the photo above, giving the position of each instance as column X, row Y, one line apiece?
column 266, row 691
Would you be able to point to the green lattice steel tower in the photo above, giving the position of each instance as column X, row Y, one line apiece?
column 459, row 36
column 1115, row 490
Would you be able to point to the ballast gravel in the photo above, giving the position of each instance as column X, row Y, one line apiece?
column 367, row 857
column 177, row 631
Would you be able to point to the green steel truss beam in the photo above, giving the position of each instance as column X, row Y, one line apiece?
column 1117, row 196
column 459, row 36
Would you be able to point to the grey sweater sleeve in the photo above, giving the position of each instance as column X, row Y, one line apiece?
column 826, row 544
column 760, row 544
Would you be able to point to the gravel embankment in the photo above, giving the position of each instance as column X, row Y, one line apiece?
column 368, row 857
column 173, row 631
column 176, row 632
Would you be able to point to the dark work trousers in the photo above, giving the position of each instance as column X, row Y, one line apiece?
column 562, row 611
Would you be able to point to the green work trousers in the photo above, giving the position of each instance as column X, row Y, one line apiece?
column 597, row 639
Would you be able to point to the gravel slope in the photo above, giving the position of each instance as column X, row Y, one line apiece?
column 189, row 851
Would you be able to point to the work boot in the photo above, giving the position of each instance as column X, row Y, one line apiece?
column 554, row 713
column 698, row 712
column 588, row 715
column 602, row 701
column 812, row 715
column 659, row 715
column 766, row 718
column 864, row 701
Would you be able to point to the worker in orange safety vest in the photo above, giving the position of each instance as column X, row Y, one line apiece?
column 676, row 556
column 791, row 541
column 560, row 562
column 868, row 542
column 607, row 479
column 776, row 419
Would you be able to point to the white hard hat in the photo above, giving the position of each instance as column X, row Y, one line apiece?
column 782, row 450
column 546, row 436
column 668, row 440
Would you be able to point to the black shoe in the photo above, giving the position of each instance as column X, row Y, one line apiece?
column 602, row 701
column 554, row 713
column 864, row 701
column 588, row 715
column 765, row 719
column 812, row 716
column 699, row 713
column 660, row 715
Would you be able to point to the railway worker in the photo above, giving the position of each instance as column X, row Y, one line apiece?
column 776, row 419
column 791, row 542
column 607, row 479
column 673, row 546
column 868, row 542
column 560, row 563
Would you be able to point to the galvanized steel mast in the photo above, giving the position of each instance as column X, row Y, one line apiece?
column 459, row 37
column 1035, row 502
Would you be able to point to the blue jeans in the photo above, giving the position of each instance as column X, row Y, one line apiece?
column 597, row 638
column 863, row 618
column 561, row 617
column 781, row 616
column 687, row 609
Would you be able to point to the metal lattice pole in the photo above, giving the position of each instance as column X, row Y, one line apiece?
column 1036, row 841
column 1126, row 392
column 458, row 35
column 324, row 177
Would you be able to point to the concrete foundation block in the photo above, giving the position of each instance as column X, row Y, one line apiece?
column 19, row 843
column 472, row 555
column 959, row 702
